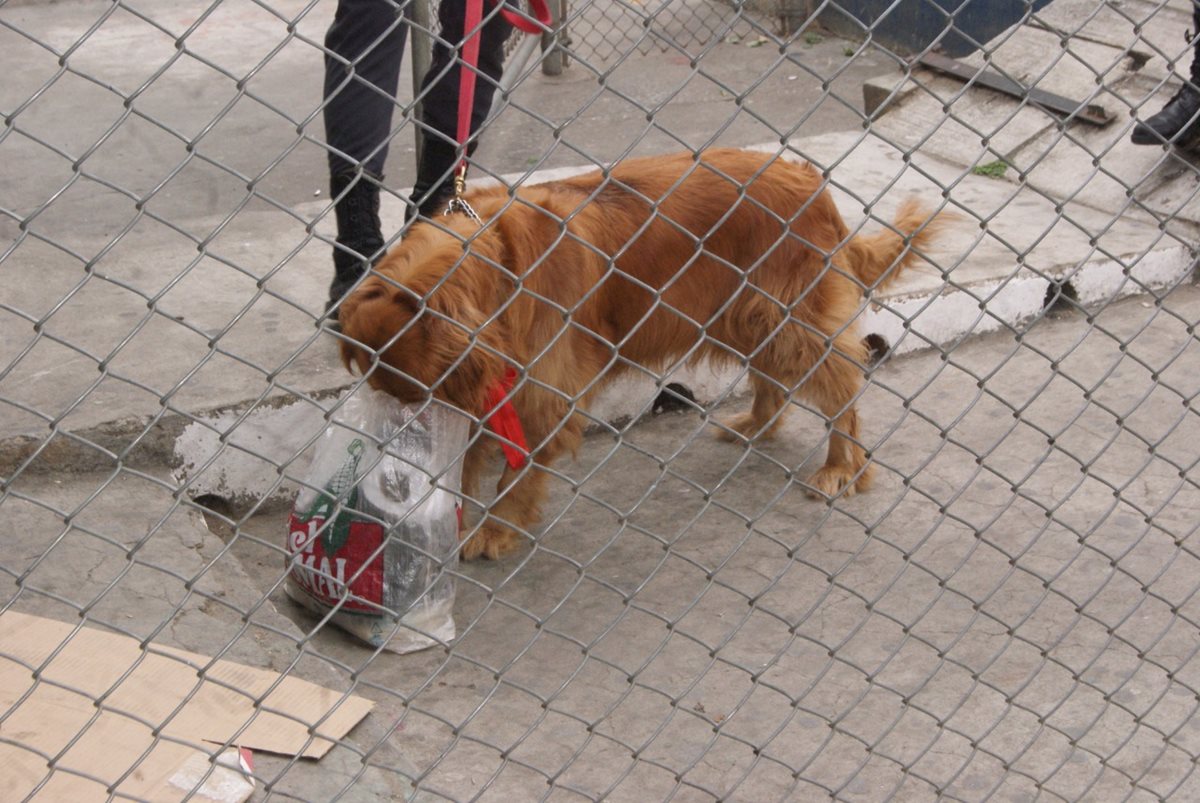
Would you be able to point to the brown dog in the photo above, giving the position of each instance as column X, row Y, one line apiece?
column 737, row 257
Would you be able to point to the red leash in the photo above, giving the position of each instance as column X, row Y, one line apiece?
column 501, row 415
column 466, row 83
column 541, row 13
column 470, row 58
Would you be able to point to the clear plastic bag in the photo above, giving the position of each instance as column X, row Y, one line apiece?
column 373, row 535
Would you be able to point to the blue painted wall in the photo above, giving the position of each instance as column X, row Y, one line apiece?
column 958, row 27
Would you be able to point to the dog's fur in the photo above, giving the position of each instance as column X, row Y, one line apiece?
column 737, row 257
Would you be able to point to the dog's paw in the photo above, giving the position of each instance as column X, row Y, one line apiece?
column 744, row 427
column 490, row 542
column 844, row 481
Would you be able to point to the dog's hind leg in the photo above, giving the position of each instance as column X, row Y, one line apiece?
column 765, row 415
column 835, row 385
column 776, row 368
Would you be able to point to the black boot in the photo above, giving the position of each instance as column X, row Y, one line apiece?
column 359, row 233
column 1177, row 123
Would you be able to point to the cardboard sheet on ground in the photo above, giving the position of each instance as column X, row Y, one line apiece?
column 142, row 691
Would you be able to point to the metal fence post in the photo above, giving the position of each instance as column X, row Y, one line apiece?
column 554, row 44
column 422, row 57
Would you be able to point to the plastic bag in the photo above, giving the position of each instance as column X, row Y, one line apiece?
column 373, row 536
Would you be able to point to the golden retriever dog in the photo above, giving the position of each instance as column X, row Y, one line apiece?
column 732, row 256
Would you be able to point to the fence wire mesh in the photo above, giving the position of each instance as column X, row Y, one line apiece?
column 601, row 33
column 1008, row 612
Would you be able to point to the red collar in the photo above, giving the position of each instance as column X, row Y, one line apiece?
column 502, row 418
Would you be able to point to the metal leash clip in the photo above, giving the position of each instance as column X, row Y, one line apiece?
column 458, row 203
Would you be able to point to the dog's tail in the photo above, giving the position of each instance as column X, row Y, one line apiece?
column 878, row 259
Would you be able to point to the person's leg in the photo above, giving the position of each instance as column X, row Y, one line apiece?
column 439, row 109
column 365, row 45
column 1179, row 120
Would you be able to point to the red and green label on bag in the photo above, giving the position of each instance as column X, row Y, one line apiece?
column 325, row 552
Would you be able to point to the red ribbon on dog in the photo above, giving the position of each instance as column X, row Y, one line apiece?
column 502, row 419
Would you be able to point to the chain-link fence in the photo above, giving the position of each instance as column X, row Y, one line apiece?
column 601, row 33
column 673, row 591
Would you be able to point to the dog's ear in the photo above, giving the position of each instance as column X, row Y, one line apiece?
column 444, row 344
column 468, row 347
column 371, row 318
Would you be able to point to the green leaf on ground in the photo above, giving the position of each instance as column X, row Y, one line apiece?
column 994, row 169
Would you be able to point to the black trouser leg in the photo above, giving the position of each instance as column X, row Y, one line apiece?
column 365, row 45
column 440, row 91
column 1195, row 71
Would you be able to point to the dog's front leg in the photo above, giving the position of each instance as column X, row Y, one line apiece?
column 521, row 492
column 519, row 497
column 474, row 466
